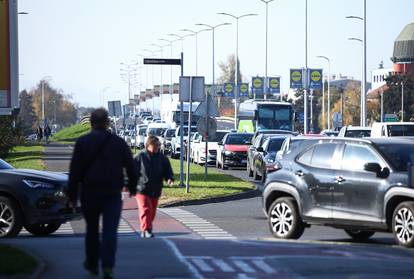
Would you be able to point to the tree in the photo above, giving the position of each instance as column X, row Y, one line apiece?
column 392, row 97
column 228, row 70
column 9, row 135
column 27, row 118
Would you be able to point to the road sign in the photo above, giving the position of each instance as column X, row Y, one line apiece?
column 212, row 108
column 161, row 61
column 202, row 127
column 196, row 92
column 258, row 85
column 9, row 77
column 244, row 90
column 390, row 118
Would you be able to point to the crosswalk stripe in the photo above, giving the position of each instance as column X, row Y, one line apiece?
column 223, row 265
column 260, row 264
column 197, row 224
column 200, row 263
column 243, row 266
column 64, row 229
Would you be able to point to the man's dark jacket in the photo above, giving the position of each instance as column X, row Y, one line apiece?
column 104, row 174
column 153, row 168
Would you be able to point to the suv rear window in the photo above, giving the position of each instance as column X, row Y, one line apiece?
column 357, row 133
column 400, row 130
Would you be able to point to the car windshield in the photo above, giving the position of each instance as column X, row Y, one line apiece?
column 156, row 131
column 399, row 155
column 142, row 131
column 217, row 137
column 193, row 130
column 400, row 130
column 170, row 133
column 4, row 165
column 357, row 133
column 241, row 139
column 275, row 145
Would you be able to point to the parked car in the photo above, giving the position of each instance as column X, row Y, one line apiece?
column 392, row 129
column 35, row 200
column 32, row 137
column 252, row 151
column 266, row 156
column 273, row 132
column 329, row 133
column 354, row 132
column 165, row 141
column 198, row 149
column 359, row 185
column 142, row 133
column 232, row 150
column 176, row 140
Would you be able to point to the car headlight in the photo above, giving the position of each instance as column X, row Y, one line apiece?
column 228, row 153
column 38, row 184
column 270, row 160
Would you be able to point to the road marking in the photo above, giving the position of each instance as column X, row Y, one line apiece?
column 243, row 266
column 200, row 226
column 65, row 229
column 201, row 264
column 124, row 227
column 261, row 264
column 223, row 265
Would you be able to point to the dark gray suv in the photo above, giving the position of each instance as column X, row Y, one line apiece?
column 359, row 185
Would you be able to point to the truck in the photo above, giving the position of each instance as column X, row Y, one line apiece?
column 265, row 115
column 392, row 129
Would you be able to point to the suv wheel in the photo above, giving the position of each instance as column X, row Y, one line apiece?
column 284, row 219
column 11, row 219
column 359, row 235
column 42, row 229
column 403, row 224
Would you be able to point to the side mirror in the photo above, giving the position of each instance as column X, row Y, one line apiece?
column 375, row 167
column 260, row 149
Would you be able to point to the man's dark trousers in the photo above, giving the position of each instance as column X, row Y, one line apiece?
column 109, row 206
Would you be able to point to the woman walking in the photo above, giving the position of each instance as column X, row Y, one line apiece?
column 153, row 169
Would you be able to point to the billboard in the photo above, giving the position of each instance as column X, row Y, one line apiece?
column 274, row 85
column 295, row 78
column 9, row 73
column 228, row 89
column 244, row 90
column 176, row 88
column 258, row 85
column 157, row 90
column 148, row 94
column 315, row 80
column 166, row 89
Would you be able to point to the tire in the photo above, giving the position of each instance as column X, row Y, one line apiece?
column 42, row 229
column 217, row 163
column 264, row 175
column 11, row 213
column 403, row 224
column 249, row 170
column 223, row 166
column 359, row 235
column 255, row 175
column 289, row 229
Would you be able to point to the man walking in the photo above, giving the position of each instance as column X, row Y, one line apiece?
column 96, row 169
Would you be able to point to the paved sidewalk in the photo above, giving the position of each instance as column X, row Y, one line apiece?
column 136, row 257
column 57, row 157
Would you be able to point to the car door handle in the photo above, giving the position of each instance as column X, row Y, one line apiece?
column 299, row 173
column 339, row 179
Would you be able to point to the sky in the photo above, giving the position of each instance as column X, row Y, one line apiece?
column 79, row 44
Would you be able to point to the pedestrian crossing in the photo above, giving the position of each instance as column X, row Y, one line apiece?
column 124, row 227
column 65, row 229
column 236, row 267
column 200, row 226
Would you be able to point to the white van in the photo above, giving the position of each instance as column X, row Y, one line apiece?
column 392, row 129
column 156, row 129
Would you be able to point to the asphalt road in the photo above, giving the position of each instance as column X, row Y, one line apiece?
column 245, row 219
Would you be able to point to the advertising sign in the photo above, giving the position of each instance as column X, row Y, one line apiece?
column 156, row 90
column 274, row 85
column 176, row 88
column 295, row 78
column 258, row 85
column 148, row 94
column 315, row 80
column 228, row 89
column 244, row 90
column 9, row 90
column 136, row 99
column 166, row 89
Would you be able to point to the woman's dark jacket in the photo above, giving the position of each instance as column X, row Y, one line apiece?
column 152, row 170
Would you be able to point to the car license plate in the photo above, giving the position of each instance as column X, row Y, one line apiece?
column 244, row 161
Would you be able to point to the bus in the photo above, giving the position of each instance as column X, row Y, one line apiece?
column 170, row 113
column 265, row 115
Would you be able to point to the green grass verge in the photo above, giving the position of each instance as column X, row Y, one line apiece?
column 71, row 134
column 15, row 262
column 216, row 185
column 27, row 157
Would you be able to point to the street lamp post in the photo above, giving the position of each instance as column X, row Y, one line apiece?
column 267, row 4
column 237, row 70
column 195, row 33
column 362, row 85
column 213, row 86
column 364, row 67
column 329, row 93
